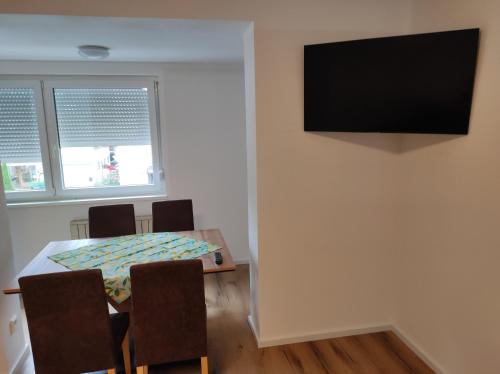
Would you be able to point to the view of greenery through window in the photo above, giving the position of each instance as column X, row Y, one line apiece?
column 23, row 176
column 85, row 167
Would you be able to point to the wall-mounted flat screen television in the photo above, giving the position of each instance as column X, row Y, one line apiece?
column 404, row 84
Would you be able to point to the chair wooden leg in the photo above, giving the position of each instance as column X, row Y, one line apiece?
column 142, row 369
column 204, row 365
column 126, row 354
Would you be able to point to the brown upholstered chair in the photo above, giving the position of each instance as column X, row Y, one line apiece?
column 169, row 320
column 173, row 215
column 111, row 220
column 70, row 327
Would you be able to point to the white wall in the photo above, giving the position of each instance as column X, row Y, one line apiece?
column 325, row 198
column 11, row 345
column 401, row 232
column 448, row 299
column 253, row 234
column 203, row 133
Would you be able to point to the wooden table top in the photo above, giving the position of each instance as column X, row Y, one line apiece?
column 41, row 264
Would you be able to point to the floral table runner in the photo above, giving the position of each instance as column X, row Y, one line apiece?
column 115, row 256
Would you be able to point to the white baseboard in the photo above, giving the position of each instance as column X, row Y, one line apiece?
column 251, row 323
column 261, row 343
column 424, row 356
column 320, row 335
column 18, row 365
column 241, row 261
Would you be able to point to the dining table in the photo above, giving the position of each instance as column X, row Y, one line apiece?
column 43, row 264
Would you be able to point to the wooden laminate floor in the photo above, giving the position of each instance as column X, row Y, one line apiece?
column 232, row 348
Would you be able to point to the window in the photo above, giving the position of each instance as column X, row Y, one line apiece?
column 79, row 138
column 22, row 138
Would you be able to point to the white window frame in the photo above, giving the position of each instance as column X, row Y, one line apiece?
column 49, row 138
column 16, row 196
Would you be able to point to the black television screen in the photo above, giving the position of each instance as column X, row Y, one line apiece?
column 406, row 84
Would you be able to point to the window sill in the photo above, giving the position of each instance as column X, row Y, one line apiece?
column 89, row 201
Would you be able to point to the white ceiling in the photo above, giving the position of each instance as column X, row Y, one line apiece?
column 34, row 37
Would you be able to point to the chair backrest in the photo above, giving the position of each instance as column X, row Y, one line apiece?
column 168, row 311
column 111, row 220
column 68, row 322
column 173, row 215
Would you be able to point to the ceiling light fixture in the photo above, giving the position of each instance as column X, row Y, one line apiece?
column 93, row 52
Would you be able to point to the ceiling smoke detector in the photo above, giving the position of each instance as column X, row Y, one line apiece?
column 93, row 52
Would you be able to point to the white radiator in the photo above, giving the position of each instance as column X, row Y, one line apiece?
column 79, row 228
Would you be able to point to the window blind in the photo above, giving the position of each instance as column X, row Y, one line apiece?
column 19, row 136
column 92, row 117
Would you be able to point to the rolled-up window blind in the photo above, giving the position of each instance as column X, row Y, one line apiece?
column 19, row 134
column 92, row 117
